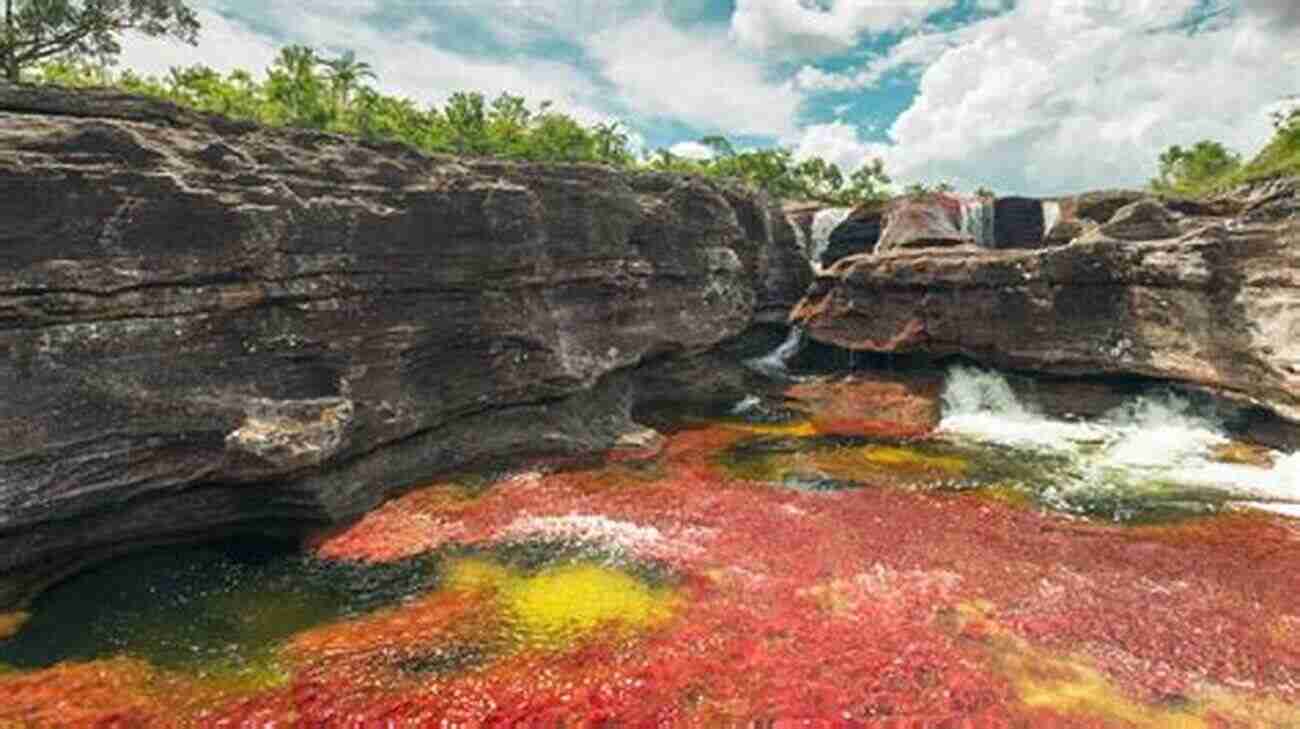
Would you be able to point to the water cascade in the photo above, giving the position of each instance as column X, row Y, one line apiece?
column 1156, row 442
column 801, row 238
column 824, row 224
column 776, row 363
column 1051, row 216
column 977, row 220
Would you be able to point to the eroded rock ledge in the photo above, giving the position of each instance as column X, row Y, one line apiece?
column 208, row 325
column 1214, row 300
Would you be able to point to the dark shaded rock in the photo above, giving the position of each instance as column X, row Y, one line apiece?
column 1101, row 206
column 1143, row 220
column 1063, row 232
column 207, row 326
column 859, row 233
column 1272, row 201
column 923, row 221
column 1018, row 222
column 1191, row 207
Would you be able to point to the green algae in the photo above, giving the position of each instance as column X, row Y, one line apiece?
column 1021, row 476
column 216, row 609
column 221, row 612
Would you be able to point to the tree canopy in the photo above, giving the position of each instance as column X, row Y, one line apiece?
column 303, row 88
column 1208, row 167
column 37, row 30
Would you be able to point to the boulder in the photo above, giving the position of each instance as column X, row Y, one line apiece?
column 1100, row 206
column 1063, row 232
column 1142, row 220
column 930, row 220
column 1219, row 308
column 207, row 326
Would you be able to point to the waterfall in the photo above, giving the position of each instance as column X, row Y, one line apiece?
column 801, row 238
column 824, row 223
column 1051, row 216
column 977, row 220
column 1153, row 438
column 776, row 363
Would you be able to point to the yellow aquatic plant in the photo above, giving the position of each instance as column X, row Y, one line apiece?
column 561, row 605
column 11, row 623
column 913, row 460
column 793, row 429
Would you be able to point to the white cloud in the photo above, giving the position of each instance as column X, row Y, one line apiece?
column 800, row 28
column 836, row 142
column 405, row 64
column 1077, row 94
column 692, row 150
column 913, row 53
column 700, row 79
column 223, row 45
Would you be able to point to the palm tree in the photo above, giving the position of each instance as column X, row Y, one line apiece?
column 345, row 72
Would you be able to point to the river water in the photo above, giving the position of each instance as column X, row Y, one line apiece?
column 880, row 549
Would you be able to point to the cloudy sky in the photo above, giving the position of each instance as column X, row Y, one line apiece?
column 1024, row 96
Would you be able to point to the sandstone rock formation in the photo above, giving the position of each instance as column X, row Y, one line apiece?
column 1142, row 220
column 206, row 325
column 923, row 221
column 859, row 233
column 1218, row 306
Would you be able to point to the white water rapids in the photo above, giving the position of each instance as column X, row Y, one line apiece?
column 776, row 363
column 1153, row 439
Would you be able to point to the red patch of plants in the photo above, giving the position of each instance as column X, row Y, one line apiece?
column 793, row 609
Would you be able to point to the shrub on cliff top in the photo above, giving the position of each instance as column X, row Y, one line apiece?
column 303, row 89
column 1208, row 167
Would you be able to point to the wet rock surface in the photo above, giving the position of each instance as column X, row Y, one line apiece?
column 209, row 326
column 1217, row 307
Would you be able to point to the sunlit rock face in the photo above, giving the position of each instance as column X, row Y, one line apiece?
column 206, row 325
column 925, row 221
column 1206, row 300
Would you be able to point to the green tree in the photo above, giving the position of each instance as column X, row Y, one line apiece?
column 466, row 120
column 345, row 74
column 612, row 144
column 298, row 90
column 868, row 182
column 1194, row 168
column 38, row 30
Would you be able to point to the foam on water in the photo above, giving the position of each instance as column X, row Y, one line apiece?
column 1154, row 441
column 824, row 223
column 980, row 406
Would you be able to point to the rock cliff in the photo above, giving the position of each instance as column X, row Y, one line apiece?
column 1201, row 293
column 207, row 325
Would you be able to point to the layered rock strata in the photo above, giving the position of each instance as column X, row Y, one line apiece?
column 1210, row 301
column 207, row 325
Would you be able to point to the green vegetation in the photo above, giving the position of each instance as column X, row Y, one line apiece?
column 1208, row 167
column 38, row 30
column 303, row 89
column 777, row 171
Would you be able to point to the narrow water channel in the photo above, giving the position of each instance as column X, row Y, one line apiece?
column 854, row 550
